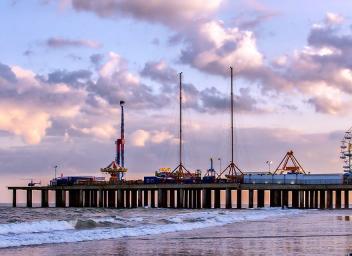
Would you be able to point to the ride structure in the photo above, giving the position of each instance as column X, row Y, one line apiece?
column 346, row 151
column 234, row 174
column 117, row 168
column 284, row 166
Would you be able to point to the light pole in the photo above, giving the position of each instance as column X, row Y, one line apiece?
column 55, row 167
column 220, row 164
column 269, row 162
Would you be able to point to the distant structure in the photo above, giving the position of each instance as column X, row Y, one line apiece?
column 117, row 168
column 284, row 166
column 346, row 151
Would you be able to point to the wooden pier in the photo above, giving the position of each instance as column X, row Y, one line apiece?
column 194, row 196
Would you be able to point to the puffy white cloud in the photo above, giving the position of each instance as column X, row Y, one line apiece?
column 139, row 138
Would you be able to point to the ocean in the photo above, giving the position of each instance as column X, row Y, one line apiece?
column 145, row 231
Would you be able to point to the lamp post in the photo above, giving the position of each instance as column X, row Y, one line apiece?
column 55, row 168
column 269, row 162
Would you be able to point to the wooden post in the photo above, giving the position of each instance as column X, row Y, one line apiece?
column 152, row 198
column 347, row 199
column 301, row 199
column 120, row 202
column 228, row 198
column 199, row 199
column 146, row 198
column 139, row 200
column 172, row 198
column 322, row 199
column 180, row 196
column 60, row 198
column 112, row 198
column 29, row 197
column 250, row 198
column 134, row 202
column 284, row 198
column 261, row 198
column 329, row 199
column 338, row 199
column 45, row 198
column 239, row 199
column 311, row 199
column 101, row 204
column 295, row 199
column 14, row 199
column 128, row 198
column 217, row 199
column 194, row 199
column 306, row 199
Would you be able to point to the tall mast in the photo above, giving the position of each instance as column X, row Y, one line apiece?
column 122, row 135
column 231, row 114
column 180, row 142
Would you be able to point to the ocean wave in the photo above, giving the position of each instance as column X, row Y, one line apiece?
column 65, row 232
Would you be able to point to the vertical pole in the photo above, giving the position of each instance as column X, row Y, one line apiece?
column 231, row 70
column 199, row 199
column 322, row 199
column 239, row 198
column 301, row 199
column 112, row 198
column 316, row 197
column 146, row 198
column 185, row 203
column 45, row 198
column 139, row 203
column 228, row 198
column 311, row 199
column 152, row 198
column 160, row 198
column 306, row 199
column 29, row 197
column 329, row 199
column 14, row 199
column 261, row 196
column 128, row 198
column 338, row 199
column 119, row 201
column 284, row 198
column 180, row 197
column 205, row 199
column 122, row 135
column 295, row 199
column 347, row 199
column 180, row 143
column 134, row 198
column 217, row 199
column 87, row 200
column 250, row 198
column 172, row 198
column 101, row 204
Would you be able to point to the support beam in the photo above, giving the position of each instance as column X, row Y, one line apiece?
column 101, row 199
column 295, row 199
column 301, row 199
column 329, row 199
column 14, row 199
column 199, row 199
column 316, row 199
column 311, row 199
column 60, row 198
column 134, row 202
column 228, row 198
column 29, row 197
column 139, row 200
column 322, row 199
column 306, row 199
column 105, row 198
column 160, row 198
column 260, row 198
column 120, row 199
column 194, row 198
column 217, row 198
column 239, row 199
column 284, row 198
column 45, row 198
column 185, row 198
column 87, row 196
column 145, row 198
column 111, row 198
column 152, row 198
column 93, row 198
column 347, row 199
column 128, row 198
column 172, row 198
column 338, row 199
column 180, row 197
column 250, row 198
column 164, row 198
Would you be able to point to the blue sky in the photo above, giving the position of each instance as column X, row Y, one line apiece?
column 65, row 64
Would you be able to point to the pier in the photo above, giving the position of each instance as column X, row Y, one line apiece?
column 193, row 196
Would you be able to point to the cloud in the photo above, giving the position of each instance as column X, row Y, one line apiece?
column 6, row 73
column 59, row 42
column 160, row 72
column 170, row 13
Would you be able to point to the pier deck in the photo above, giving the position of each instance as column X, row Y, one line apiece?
column 191, row 195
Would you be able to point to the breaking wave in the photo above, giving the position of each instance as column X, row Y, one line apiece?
column 101, row 228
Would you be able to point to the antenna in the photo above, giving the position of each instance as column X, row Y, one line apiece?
column 232, row 167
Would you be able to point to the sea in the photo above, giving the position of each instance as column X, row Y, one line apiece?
column 147, row 231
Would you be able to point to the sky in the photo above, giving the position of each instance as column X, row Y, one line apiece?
column 66, row 64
